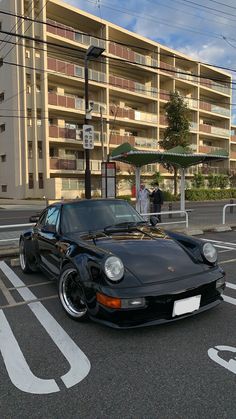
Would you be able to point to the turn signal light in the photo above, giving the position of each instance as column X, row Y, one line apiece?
column 108, row 301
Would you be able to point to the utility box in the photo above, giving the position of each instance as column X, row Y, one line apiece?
column 108, row 179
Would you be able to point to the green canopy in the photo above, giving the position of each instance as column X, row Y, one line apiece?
column 178, row 156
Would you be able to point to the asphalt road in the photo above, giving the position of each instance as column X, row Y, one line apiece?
column 153, row 372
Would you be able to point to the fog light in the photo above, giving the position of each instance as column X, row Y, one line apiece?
column 133, row 302
column 220, row 283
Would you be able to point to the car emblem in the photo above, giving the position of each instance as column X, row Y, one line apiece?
column 170, row 268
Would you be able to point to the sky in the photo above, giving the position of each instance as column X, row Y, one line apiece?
column 202, row 29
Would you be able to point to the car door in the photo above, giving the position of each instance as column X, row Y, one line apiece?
column 46, row 233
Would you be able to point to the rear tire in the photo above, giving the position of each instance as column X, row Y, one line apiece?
column 27, row 265
column 70, row 294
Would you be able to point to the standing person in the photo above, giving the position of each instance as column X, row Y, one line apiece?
column 143, row 199
column 157, row 196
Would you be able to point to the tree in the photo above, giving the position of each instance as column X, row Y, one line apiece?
column 177, row 133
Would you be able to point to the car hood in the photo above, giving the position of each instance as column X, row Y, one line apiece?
column 151, row 256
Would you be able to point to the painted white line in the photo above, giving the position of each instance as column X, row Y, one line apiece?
column 16, row 365
column 230, row 365
column 230, row 285
column 224, row 247
column 229, row 300
column 79, row 363
column 9, row 240
column 227, row 261
column 220, row 241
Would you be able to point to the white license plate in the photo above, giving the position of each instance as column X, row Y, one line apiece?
column 186, row 305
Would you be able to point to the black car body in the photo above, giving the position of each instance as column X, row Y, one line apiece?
column 118, row 269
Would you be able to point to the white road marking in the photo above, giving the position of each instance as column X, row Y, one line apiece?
column 230, row 365
column 9, row 240
column 227, row 261
column 229, row 300
column 220, row 241
column 16, row 365
column 230, row 285
column 79, row 363
column 224, row 247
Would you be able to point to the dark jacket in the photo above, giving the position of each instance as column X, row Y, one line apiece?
column 157, row 197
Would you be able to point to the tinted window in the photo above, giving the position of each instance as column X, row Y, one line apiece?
column 95, row 215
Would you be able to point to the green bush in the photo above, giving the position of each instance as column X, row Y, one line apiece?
column 209, row 194
column 198, row 180
column 125, row 197
column 218, row 181
column 167, row 196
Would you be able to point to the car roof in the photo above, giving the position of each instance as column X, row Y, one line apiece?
column 76, row 201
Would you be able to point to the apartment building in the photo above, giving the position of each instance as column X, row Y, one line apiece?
column 42, row 99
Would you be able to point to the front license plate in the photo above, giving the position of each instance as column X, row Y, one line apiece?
column 186, row 305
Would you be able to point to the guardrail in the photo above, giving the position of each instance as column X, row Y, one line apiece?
column 170, row 212
column 224, row 211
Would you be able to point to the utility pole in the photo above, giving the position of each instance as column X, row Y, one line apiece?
column 102, row 139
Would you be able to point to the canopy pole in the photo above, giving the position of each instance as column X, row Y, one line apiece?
column 137, row 185
column 182, row 189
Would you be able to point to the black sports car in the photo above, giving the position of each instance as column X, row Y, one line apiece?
column 118, row 269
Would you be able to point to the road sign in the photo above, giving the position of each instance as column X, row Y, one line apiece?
column 88, row 136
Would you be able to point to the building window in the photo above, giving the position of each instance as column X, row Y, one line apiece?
column 4, row 188
column 1, row 97
column 2, row 127
column 31, row 181
column 30, row 150
column 40, row 149
column 3, row 158
column 41, row 181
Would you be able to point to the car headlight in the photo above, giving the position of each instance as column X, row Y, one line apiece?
column 209, row 252
column 114, row 268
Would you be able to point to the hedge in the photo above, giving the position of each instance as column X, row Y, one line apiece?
column 209, row 194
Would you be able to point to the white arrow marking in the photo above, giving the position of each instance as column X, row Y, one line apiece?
column 79, row 363
column 16, row 365
column 229, row 365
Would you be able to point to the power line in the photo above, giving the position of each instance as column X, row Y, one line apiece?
column 120, row 43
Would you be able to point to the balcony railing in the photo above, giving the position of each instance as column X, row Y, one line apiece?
column 68, row 69
column 73, row 102
column 233, row 154
column 179, row 73
column 214, row 130
column 57, row 163
column 73, row 34
column 209, row 149
column 133, row 140
column 212, row 84
column 132, row 86
column 130, row 55
column 72, row 134
column 209, row 107
column 129, row 113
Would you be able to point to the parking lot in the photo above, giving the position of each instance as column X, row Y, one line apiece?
column 53, row 367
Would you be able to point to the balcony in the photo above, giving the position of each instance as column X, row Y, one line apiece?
column 233, row 155
column 209, row 149
column 191, row 103
column 132, row 86
column 140, row 142
column 163, row 120
column 209, row 107
column 211, row 84
column 73, row 102
column 130, row 55
column 209, row 129
column 73, row 70
column 66, row 133
column 179, row 73
column 57, row 163
column 132, row 114
column 73, row 34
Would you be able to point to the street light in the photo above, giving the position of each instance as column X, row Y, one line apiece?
column 92, row 52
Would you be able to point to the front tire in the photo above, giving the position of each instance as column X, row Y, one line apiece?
column 70, row 294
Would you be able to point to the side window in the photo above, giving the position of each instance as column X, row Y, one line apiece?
column 52, row 216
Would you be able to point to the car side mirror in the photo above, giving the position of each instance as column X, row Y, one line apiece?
column 153, row 220
column 49, row 228
column 34, row 218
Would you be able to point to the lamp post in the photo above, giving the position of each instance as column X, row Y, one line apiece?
column 92, row 52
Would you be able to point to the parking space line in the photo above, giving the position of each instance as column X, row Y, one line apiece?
column 79, row 364
column 230, row 285
column 38, row 284
column 220, row 241
column 229, row 300
column 23, row 303
column 227, row 261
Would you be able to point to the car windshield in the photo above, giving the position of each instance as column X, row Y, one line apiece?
column 95, row 215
